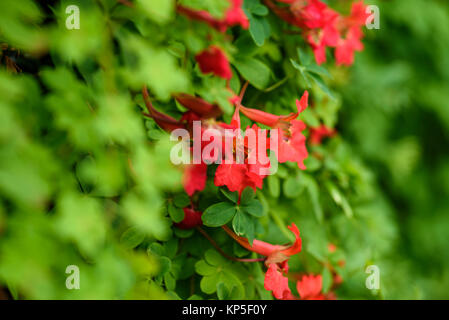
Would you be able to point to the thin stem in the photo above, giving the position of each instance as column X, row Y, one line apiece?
column 242, row 92
column 224, row 254
column 277, row 84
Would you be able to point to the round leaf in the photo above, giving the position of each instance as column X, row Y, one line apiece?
column 218, row 214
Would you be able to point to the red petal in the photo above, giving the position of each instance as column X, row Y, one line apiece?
column 318, row 133
column 195, row 176
column 276, row 282
column 192, row 219
column 292, row 148
column 309, row 287
column 213, row 60
column 231, row 176
column 199, row 106
column 297, row 245
column 303, row 102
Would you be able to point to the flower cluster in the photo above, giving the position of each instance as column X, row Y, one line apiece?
column 234, row 15
column 243, row 160
column 323, row 27
column 242, row 156
column 276, row 261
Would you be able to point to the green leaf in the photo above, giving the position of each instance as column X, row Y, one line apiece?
column 254, row 208
column 182, row 233
column 303, row 72
column 170, row 282
column 259, row 10
column 204, row 269
column 181, row 200
column 243, row 226
column 247, row 195
column 222, row 291
column 176, row 214
column 313, row 189
column 304, row 57
column 253, row 70
column 327, row 280
column 218, row 214
column 160, row 11
column 171, row 247
column 293, row 187
column 259, row 30
column 214, row 258
column 156, row 249
column 320, row 83
column 233, row 196
column 318, row 70
column 339, row 199
column 165, row 265
column 273, row 186
column 132, row 237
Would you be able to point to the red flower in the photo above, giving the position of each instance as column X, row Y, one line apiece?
column 213, row 60
column 275, row 281
column 291, row 141
column 191, row 219
column 272, row 120
column 239, row 174
column 194, row 179
column 268, row 249
column 277, row 260
column 323, row 27
column 164, row 121
column 351, row 27
column 236, row 177
column 309, row 287
column 292, row 144
column 317, row 134
column 233, row 16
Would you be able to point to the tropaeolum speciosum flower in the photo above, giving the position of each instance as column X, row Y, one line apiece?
column 291, row 141
column 323, row 27
column 233, row 16
column 276, row 260
column 237, row 176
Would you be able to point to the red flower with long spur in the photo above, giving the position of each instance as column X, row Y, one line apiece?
column 277, row 260
column 351, row 29
column 202, row 108
column 291, row 141
column 241, row 173
column 234, row 16
column 323, row 27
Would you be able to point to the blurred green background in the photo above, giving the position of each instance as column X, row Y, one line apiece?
column 396, row 115
column 83, row 176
